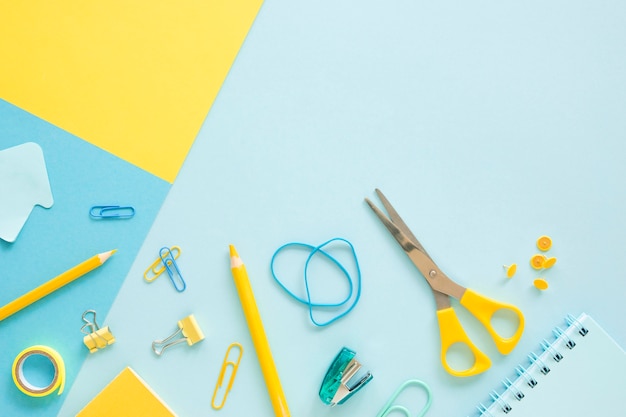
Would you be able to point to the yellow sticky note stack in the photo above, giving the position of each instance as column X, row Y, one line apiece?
column 126, row 396
column 136, row 79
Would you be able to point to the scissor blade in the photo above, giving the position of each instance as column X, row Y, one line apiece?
column 397, row 220
column 404, row 241
column 437, row 280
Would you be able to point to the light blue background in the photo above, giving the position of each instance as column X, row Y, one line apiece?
column 56, row 239
column 486, row 123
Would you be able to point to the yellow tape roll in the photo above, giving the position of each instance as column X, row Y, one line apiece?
column 58, row 381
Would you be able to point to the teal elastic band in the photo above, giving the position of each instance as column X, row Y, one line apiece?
column 314, row 305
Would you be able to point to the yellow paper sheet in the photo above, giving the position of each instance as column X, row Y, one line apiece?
column 126, row 396
column 134, row 78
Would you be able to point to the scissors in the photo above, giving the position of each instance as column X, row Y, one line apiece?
column 450, row 329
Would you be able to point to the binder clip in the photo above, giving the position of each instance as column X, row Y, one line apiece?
column 96, row 338
column 166, row 262
column 337, row 385
column 191, row 333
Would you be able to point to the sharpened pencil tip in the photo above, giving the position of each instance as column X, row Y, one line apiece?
column 104, row 256
column 235, row 260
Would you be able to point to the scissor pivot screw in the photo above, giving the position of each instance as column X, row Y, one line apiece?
column 432, row 273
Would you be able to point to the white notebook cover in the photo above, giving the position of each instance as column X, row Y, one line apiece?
column 589, row 379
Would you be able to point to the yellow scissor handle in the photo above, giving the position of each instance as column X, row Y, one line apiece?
column 451, row 332
column 484, row 308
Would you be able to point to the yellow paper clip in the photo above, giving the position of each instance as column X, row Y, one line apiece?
column 96, row 338
column 191, row 333
column 158, row 267
column 220, row 379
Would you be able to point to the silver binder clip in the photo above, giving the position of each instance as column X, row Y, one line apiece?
column 96, row 338
column 338, row 384
column 191, row 333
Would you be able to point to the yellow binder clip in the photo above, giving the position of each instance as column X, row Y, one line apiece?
column 191, row 333
column 220, row 379
column 96, row 338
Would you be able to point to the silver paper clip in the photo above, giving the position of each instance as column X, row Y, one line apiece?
column 96, row 338
column 228, row 363
column 191, row 333
column 111, row 212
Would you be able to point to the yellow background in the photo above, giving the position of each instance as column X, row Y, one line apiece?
column 134, row 78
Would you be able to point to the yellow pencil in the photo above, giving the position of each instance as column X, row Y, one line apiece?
column 54, row 284
column 262, row 347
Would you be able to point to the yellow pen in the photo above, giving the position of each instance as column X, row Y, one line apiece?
column 54, row 284
column 261, row 345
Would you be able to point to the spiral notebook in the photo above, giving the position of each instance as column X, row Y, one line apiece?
column 580, row 372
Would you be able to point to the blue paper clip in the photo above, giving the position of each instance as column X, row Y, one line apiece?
column 111, row 212
column 172, row 269
column 390, row 407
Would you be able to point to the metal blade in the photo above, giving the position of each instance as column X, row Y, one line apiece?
column 437, row 280
column 397, row 220
column 395, row 231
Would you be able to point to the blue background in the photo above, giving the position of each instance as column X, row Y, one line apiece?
column 56, row 239
column 487, row 124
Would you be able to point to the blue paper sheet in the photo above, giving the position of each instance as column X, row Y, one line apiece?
column 56, row 239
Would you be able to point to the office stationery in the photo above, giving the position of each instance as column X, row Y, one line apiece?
column 24, row 184
column 541, row 284
column 171, row 267
column 345, row 305
column 544, row 243
column 536, row 261
column 342, row 379
column 28, row 388
column 157, row 267
column 54, row 284
column 127, row 395
column 548, row 263
column 136, row 106
column 257, row 332
column 190, row 332
column 111, row 212
column 510, row 270
column 231, row 364
column 450, row 329
column 581, row 369
column 54, row 240
column 540, row 261
column 390, row 407
column 96, row 338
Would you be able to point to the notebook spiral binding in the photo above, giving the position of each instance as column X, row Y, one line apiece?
column 525, row 376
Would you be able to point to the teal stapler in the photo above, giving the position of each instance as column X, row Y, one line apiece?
column 342, row 379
